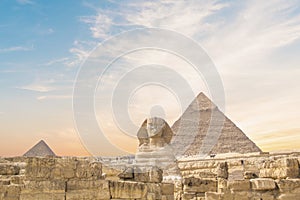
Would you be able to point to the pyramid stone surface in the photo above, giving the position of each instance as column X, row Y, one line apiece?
column 40, row 149
column 200, row 118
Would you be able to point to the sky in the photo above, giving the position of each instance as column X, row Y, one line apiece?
column 254, row 46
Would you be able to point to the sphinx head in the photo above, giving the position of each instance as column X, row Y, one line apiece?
column 155, row 126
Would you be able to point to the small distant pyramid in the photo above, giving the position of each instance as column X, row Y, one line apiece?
column 41, row 149
column 202, row 117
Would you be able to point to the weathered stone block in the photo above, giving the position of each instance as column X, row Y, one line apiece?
column 39, row 168
column 43, row 196
column 155, row 175
column 280, row 169
column 17, row 179
column 289, row 185
column 265, row 195
column 263, row 184
column 250, row 175
column 87, row 184
column 10, row 192
column 64, row 168
column 222, row 170
column 129, row 190
column 222, row 185
column 9, row 169
column 199, row 185
column 188, row 196
column 241, row 195
column 148, row 175
column 213, row 196
column 127, row 174
column 53, row 186
column 4, row 181
column 239, row 185
column 167, row 197
column 88, row 170
column 289, row 197
column 154, row 189
column 90, row 194
column 167, row 189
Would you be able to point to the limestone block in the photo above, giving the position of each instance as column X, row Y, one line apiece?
column 239, row 185
column 265, row 195
column 90, row 194
column 281, row 168
column 222, row 185
column 213, row 196
column 127, row 189
column 288, row 197
column 9, row 169
column 154, row 189
column 10, row 192
column 39, row 168
column 151, row 175
column 87, row 189
column 250, row 175
column 241, row 195
column 5, row 181
column 64, row 168
column 127, row 174
column 167, row 189
column 199, row 185
column 150, row 196
column 53, row 186
column 17, row 179
column 262, row 184
column 188, row 196
column 222, row 170
column 167, row 197
column 205, row 174
column 289, row 185
column 155, row 175
column 87, row 184
column 42, row 196
column 88, row 170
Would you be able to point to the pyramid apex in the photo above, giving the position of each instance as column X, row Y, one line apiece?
column 202, row 102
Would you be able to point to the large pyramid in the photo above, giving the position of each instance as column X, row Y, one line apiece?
column 41, row 149
column 204, row 130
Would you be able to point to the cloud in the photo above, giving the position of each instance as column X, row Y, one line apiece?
column 57, row 61
column 37, row 88
column 246, row 41
column 53, row 97
column 15, row 48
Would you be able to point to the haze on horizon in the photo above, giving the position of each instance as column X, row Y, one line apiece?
column 254, row 45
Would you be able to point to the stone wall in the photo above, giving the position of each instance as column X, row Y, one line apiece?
column 70, row 179
column 257, row 177
column 251, row 177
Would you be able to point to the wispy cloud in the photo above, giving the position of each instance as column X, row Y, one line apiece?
column 37, row 88
column 15, row 48
column 53, row 97
column 57, row 61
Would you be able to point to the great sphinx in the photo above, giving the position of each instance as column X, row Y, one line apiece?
column 154, row 144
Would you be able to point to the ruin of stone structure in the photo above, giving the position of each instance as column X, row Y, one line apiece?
column 250, row 176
